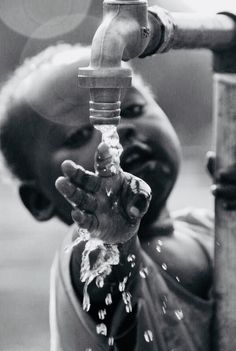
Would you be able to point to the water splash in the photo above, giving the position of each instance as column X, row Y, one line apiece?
column 111, row 341
column 158, row 248
column 179, row 314
column 102, row 314
column 178, row 279
column 122, row 284
column 101, row 329
column 126, row 296
column 148, row 336
column 108, row 299
column 131, row 258
column 100, row 281
column 111, row 138
column 108, row 255
column 83, row 235
column 164, row 266
column 164, row 301
column 159, row 242
column 143, row 272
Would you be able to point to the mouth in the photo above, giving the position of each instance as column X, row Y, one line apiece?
column 139, row 157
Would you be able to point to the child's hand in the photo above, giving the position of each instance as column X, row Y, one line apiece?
column 108, row 204
column 225, row 187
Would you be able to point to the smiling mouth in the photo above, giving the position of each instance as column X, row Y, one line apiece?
column 136, row 157
column 139, row 157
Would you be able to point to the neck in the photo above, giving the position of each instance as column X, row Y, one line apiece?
column 163, row 223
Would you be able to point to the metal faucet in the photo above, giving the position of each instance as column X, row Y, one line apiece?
column 122, row 35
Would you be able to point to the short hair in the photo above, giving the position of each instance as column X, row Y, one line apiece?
column 15, row 141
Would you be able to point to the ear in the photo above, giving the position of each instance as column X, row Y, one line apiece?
column 36, row 202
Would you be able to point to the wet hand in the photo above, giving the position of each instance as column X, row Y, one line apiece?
column 109, row 203
column 225, row 182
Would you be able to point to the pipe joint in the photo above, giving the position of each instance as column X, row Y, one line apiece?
column 122, row 35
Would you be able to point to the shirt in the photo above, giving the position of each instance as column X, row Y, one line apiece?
column 169, row 318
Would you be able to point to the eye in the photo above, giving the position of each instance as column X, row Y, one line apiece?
column 132, row 111
column 80, row 137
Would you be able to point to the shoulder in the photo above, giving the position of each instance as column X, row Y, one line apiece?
column 186, row 253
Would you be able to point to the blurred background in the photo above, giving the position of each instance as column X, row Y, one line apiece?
column 182, row 82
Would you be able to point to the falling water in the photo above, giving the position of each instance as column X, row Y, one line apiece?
column 108, row 254
column 148, row 335
column 111, row 138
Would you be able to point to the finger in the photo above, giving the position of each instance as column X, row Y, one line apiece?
column 138, row 197
column 76, row 196
column 230, row 205
column 85, row 220
column 228, row 175
column 224, row 191
column 210, row 162
column 105, row 163
column 80, row 177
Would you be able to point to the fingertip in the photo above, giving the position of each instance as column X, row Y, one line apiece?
column 58, row 183
column 64, row 186
column 103, row 153
column 68, row 168
column 213, row 189
column 103, row 149
column 134, row 212
column 210, row 154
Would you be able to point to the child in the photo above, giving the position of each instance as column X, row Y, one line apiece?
column 165, row 262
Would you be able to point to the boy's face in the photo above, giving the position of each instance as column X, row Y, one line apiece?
column 151, row 148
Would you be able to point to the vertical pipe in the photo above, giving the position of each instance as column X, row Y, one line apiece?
column 224, row 334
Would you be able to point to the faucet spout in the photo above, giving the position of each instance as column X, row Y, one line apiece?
column 122, row 35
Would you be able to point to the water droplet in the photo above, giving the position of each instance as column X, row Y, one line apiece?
column 177, row 278
column 111, row 341
column 132, row 264
column 164, row 266
column 109, row 192
column 159, row 242
column 88, row 349
column 108, row 299
column 86, row 301
column 101, row 329
column 122, row 284
column 164, row 304
column 102, row 314
column 113, row 169
column 163, row 309
column 131, row 258
column 83, row 235
column 126, row 297
column 128, row 308
column 148, row 336
column 179, row 314
column 144, row 272
column 100, row 281
column 158, row 248
column 127, row 301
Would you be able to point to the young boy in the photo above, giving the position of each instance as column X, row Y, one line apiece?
column 164, row 273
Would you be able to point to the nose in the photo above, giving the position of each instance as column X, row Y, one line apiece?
column 126, row 132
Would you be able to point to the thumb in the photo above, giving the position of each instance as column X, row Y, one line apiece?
column 106, row 164
column 139, row 198
column 210, row 163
